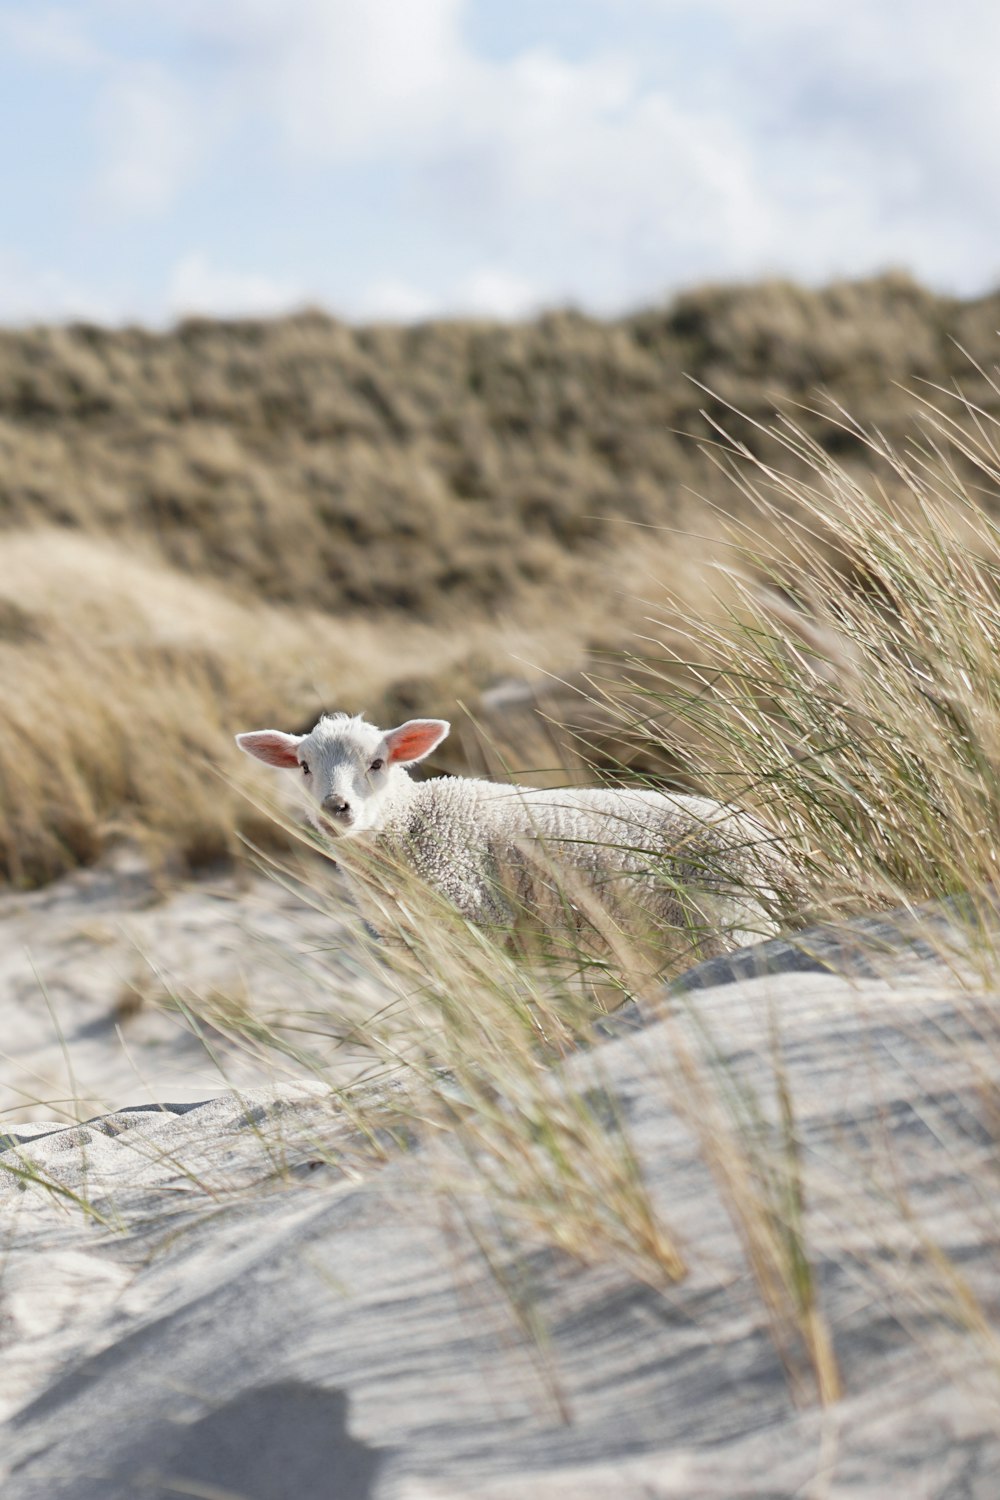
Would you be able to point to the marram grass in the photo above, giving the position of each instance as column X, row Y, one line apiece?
column 847, row 685
column 850, row 688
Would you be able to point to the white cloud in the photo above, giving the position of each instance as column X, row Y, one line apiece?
column 54, row 35
column 492, row 292
column 197, row 286
column 194, row 286
column 35, row 294
column 812, row 139
column 605, row 180
column 574, row 167
column 347, row 79
column 391, row 299
column 487, row 292
column 830, row 145
column 151, row 129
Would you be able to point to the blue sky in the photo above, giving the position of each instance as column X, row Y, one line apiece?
column 409, row 158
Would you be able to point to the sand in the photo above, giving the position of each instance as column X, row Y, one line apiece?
column 242, row 1296
column 96, row 972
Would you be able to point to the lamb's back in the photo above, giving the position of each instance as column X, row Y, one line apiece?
column 465, row 836
column 452, row 818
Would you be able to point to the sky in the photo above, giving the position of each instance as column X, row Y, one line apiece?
column 404, row 159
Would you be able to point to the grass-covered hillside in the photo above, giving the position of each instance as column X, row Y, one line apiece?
column 233, row 524
column 311, row 463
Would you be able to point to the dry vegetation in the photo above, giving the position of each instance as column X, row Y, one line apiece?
column 227, row 526
column 239, row 523
column 868, row 717
column 861, row 703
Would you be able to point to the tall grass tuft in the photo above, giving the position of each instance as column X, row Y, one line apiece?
column 849, row 685
column 845, row 683
column 470, row 1048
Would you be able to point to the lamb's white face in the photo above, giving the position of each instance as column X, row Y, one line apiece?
column 345, row 770
column 347, row 766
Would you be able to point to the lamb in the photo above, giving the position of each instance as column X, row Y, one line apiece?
column 680, row 864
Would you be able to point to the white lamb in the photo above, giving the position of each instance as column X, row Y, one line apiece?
column 681, row 864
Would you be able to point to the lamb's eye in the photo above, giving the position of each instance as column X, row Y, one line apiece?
column 305, row 767
column 376, row 765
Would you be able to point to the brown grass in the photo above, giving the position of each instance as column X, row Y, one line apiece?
column 843, row 672
column 122, row 683
column 235, row 524
column 310, row 463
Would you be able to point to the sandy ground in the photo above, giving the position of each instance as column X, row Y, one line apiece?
column 96, row 971
column 245, row 1297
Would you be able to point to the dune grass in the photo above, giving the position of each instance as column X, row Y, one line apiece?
column 122, row 682
column 227, row 524
column 841, row 676
column 450, row 465
column 851, row 686
column 848, row 685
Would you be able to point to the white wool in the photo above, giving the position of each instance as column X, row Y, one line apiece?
column 502, row 852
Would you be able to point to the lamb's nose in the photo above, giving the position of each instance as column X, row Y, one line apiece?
column 336, row 806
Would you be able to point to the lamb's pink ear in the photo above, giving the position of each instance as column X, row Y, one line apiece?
column 271, row 746
column 415, row 740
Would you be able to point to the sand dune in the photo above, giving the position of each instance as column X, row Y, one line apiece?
column 257, row 1304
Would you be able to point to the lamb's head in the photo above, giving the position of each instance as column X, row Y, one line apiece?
column 348, row 767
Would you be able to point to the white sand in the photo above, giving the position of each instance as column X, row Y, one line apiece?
column 255, row 1305
column 92, row 968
